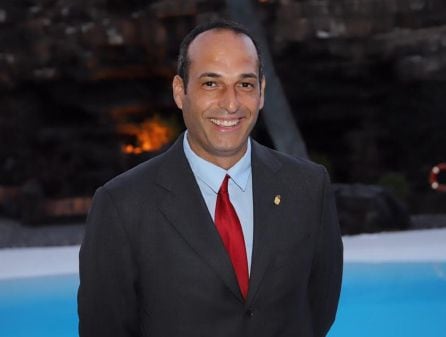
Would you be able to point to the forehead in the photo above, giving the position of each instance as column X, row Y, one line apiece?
column 222, row 47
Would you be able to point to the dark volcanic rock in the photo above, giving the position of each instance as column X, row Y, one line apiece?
column 369, row 209
column 73, row 75
column 365, row 78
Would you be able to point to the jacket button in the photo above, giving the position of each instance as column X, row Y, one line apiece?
column 250, row 313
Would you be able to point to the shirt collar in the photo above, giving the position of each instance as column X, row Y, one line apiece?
column 213, row 175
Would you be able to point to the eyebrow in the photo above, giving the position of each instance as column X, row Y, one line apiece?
column 215, row 75
column 249, row 75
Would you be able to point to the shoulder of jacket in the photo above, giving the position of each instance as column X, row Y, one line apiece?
column 290, row 162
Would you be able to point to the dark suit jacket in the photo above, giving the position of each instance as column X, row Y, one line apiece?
column 152, row 263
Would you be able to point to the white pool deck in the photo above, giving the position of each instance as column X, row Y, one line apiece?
column 427, row 245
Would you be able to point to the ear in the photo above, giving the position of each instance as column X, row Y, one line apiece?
column 262, row 93
column 178, row 91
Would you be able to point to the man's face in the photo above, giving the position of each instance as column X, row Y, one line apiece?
column 223, row 95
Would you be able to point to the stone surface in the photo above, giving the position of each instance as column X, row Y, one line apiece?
column 14, row 234
column 369, row 209
column 365, row 78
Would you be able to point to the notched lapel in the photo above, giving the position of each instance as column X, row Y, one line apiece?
column 186, row 210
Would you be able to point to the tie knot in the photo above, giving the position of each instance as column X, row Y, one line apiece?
column 224, row 185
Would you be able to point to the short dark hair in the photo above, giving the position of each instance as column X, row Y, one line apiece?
column 183, row 57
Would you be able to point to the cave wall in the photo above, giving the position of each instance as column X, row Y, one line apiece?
column 70, row 72
column 365, row 78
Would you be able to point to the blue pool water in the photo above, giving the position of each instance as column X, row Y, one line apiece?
column 39, row 307
column 392, row 300
column 385, row 300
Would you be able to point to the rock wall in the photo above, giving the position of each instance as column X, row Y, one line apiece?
column 71, row 71
column 366, row 80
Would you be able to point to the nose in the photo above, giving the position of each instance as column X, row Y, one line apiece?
column 230, row 100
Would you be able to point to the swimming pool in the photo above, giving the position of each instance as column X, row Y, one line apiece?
column 42, row 306
column 378, row 299
column 392, row 300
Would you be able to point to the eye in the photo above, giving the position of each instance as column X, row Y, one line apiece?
column 210, row 84
column 247, row 85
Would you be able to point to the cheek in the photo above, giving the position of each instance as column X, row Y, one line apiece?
column 198, row 102
column 253, row 101
column 193, row 116
column 189, row 119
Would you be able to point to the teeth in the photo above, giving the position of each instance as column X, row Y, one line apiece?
column 225, row 122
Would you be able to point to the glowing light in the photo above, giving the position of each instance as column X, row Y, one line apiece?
column 150, row 135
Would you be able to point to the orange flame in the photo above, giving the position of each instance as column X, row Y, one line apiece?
column 151, row 135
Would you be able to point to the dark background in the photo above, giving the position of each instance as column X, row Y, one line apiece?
column 365, row 79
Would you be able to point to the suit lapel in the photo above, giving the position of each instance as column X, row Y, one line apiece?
column 184, row 207
column 266, row 214
column 186, row 210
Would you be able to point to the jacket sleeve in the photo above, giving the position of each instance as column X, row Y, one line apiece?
column 326, row 274
column 107, row 296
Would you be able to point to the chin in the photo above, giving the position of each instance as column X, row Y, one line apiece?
column 230, row 150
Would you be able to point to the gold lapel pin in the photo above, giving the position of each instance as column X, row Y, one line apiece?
column 277, row 200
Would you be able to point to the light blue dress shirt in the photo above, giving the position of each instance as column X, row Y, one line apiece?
column 209, row 178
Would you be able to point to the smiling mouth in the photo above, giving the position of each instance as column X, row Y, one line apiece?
column 226, row 122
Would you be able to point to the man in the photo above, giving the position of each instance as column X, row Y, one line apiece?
column 168, row 253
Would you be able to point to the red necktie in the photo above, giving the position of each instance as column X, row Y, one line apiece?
column 230, row 230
